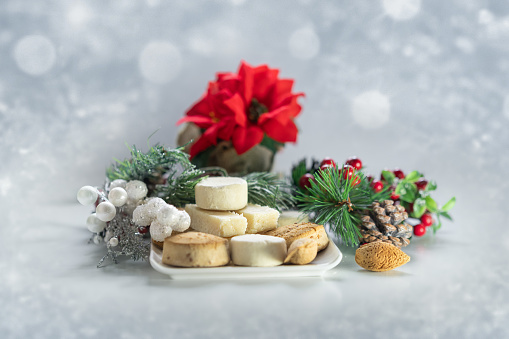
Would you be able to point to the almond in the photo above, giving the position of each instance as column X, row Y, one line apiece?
column 380, row 256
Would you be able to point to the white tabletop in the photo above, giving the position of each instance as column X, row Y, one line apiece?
column 454, row 286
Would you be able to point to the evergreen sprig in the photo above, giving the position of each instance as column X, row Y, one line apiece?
column 179, row 188
column 267, row 189
column 148, row 166
column 336, row 202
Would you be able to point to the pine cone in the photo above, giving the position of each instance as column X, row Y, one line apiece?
column 386, row 222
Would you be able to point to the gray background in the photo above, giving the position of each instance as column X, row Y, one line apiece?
column 80, row 79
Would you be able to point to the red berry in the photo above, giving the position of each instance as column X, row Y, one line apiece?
column 394, row 196
column 377, row 186
column 419, row 230
column 369, row 178
column 305, row 180
column 327, row 161
column 356, row 180
column 348, row 172
column 426, row 220
column 142, row 229
column 421, row 184
column 399, row 173
column 354, row 162
column 326, row 166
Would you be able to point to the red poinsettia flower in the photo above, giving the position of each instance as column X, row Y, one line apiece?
column 244, row 107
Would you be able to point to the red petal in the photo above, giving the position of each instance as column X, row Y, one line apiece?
column 201, row 107
column 246, row 74
column 238, row 109
column 199, row 120
column 282, row 89
column 265, row 79
column 281, row 114
column 211, row 133
column 246, row 138
column 199, row 146
column 228, row 81
column 226, row 131
column 281, row 132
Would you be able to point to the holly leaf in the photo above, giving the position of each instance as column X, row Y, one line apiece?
column 399, row 187
column 432, row 185
column 407, row 192
column 449, row 205
column 419, row 207
column 412, row 176
column 445, row 215
column 431, row 204
column 388, row 177
column 436, row 226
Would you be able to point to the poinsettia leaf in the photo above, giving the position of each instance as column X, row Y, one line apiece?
column 389, row 177
column 412, row 176
column 431, row 204
column 419, row 207
column 449, row 205
column 271, row 144
column 432, row 185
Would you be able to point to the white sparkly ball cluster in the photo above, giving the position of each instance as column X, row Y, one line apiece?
column 121, row 193
column 162, row 218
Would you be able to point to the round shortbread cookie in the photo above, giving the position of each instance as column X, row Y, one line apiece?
column 195, row 249
column 221, row 193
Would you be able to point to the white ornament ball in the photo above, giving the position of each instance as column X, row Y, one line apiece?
column 136, row 189
column 106, row 211
column 153, row 206
column 113, row 242
column 159, row 231
column 183, row 223
column 168, row 215
column 87, row 195
column 141, row 217
column 118, row 183
column 94, row 224
column 97, row 239
column 118, row 196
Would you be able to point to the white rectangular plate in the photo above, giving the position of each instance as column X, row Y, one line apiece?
column 324, row 261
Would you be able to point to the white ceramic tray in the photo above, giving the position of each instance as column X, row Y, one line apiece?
column 324, row 261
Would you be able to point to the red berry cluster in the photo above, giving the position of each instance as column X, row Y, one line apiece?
column 352, row 165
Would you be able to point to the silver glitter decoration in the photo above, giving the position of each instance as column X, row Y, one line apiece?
column 130, row 242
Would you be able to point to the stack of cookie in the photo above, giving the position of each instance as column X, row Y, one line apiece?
column 226, row 224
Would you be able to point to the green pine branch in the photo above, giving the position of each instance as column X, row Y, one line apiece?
column 267, row 189
column 336, row 202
